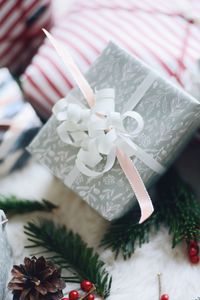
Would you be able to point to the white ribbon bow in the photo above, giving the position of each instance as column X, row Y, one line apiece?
column 98, row 131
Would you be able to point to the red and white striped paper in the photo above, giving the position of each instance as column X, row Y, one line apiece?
column 20, row 31
column 157, row 32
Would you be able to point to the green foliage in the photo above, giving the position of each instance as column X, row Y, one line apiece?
column 71, row 253
column 176, row 207
column 123, row 235
column 179, row 209
column 13, row 205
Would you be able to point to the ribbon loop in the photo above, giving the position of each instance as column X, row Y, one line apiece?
column 104, row 101
column 139, row 120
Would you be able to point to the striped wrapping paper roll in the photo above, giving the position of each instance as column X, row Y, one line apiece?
column 162, row 33
column 20, row 31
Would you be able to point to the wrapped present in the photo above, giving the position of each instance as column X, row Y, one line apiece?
column 18, row 124
column 5, row 256
column 192, row 84
column 117, row 133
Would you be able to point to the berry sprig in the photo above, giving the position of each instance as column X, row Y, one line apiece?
column 87, row 287
column 193, row 252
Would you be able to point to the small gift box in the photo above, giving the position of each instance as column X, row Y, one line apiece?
column 5, row 257
column 114, row 136
column 18, row 124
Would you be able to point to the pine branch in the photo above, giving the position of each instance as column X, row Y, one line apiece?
column 123, row 234
column 177, row 208
column 71, row 253
column 13, row 205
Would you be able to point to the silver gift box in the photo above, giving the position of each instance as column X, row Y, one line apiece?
column 5, row 257
column 170, row 117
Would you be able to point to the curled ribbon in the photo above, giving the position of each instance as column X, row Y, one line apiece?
column 99, row 131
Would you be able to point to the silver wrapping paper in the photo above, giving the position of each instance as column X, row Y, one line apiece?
column 170, row 117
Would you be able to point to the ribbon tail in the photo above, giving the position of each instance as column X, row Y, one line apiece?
column 146, row 158
column 74, row 70
column 137, row 185
column 82, row 167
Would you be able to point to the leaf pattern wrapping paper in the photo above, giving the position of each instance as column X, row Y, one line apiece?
column 170, row 116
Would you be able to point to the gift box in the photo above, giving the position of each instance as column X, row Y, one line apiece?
column 18, row 124
column 5, row 256
column 192, row 85
column 158, row 119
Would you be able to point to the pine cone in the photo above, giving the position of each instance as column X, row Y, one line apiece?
column 37, row 279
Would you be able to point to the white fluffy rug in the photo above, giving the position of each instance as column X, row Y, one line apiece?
column 132, row 279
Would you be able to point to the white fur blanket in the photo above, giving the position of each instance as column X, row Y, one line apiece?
column 132, row 279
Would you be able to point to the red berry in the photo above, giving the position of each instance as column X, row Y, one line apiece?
column 73, row 295
column 90, row 297
column 193, row 251
column 194, row 259
column 164, row 297
column 193, row 244
column 86, row 285
column 64, row 298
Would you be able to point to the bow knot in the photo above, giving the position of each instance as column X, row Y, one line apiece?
column 96, row 131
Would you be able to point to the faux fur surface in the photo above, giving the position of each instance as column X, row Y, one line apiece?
column 135, row 278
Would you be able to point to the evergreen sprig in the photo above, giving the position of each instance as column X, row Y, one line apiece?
column 123, row 235
column 13, row 205
column 176, row 207
column 179, row 208
column 71, row 253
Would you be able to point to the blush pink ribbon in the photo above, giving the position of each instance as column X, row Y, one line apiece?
column 124, row 160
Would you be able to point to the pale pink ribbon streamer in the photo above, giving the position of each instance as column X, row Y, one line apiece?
column 125, row 162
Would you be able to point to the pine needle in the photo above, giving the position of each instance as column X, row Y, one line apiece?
column 13, row 205
column 71, row 253
column 179, row 208
column 176, row 207
column 124, row 235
